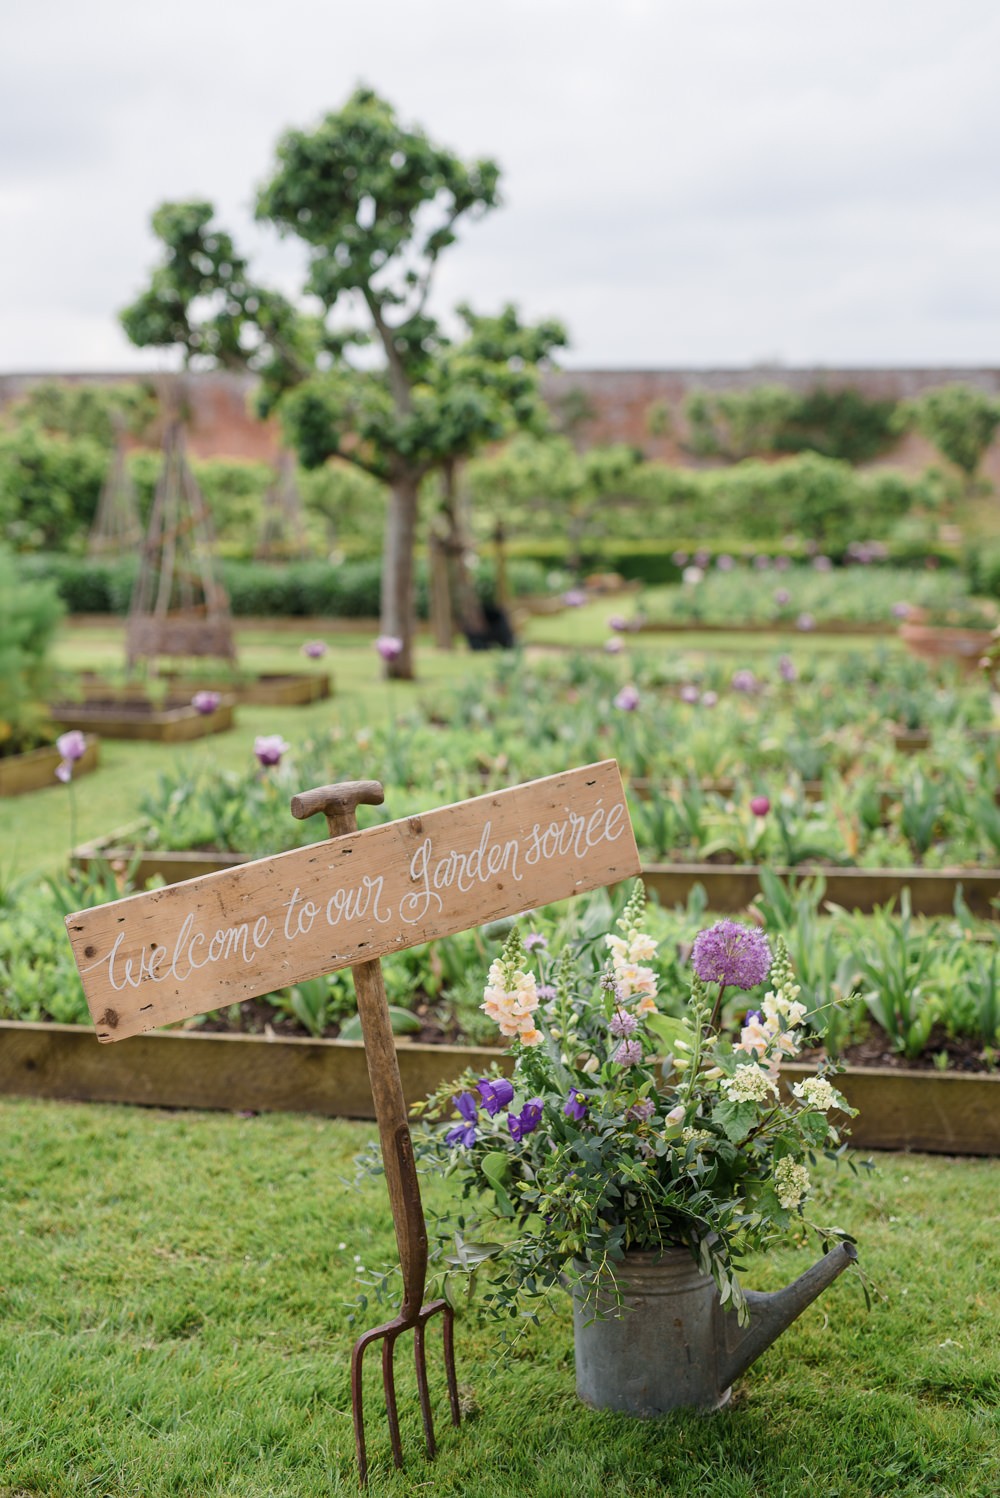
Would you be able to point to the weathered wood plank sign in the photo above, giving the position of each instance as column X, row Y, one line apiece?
column 164, row 955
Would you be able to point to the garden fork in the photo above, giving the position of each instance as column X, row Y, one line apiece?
column 339, row 805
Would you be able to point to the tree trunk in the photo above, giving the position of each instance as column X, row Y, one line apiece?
column 399, row 614
column 442, row 619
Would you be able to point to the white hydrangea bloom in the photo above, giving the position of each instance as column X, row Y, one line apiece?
column 749, row 1084
column 791, row 1181
column 818, row 1093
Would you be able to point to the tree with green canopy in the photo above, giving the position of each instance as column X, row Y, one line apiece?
column 960, row 420
column 376, row 203
column 549, row 481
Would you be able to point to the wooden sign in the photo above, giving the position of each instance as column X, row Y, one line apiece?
column 167, row 954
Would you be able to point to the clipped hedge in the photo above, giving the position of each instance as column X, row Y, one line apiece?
column 350, row 590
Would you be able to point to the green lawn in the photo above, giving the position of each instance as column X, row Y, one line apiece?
column 174, row 1292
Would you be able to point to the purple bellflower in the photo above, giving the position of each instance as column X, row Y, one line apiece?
column 495, row 1093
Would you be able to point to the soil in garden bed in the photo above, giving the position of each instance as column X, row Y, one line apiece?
column 964, row 1056
column 255, row 1017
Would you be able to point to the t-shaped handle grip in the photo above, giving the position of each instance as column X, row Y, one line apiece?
column 338, row 803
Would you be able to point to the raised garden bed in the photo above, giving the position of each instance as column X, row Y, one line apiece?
column 931, row 642
column 731, row 887
column 125, row 717
column 941, row 1112
column 36, row 769
column 275, row 689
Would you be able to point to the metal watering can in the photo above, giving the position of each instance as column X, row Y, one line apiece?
column 670, row 1344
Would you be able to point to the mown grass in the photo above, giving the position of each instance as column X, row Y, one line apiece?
column 174, row 1293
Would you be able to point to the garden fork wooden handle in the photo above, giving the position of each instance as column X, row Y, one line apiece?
column 339, row 804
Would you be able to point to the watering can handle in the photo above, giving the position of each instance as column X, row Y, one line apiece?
column 339, row 804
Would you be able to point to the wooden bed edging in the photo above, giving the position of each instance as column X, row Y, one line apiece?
column 938, row 1112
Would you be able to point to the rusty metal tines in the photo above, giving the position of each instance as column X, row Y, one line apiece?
column 339, row 804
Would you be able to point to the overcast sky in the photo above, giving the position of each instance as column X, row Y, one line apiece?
column 686, row 182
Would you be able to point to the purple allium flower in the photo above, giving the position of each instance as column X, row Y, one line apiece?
column 744, row 681
column 495, row 1093
column 546, row 991
column 761, row 562
column 575, row 598
column 613, row 646
column 679, row 558
column 527, row 1121
column 702, row 558
column 629, row 1053
column 822, row 564
column 622, row 1024
column 389, row 647
column 627, row 699
column 465, row 1132
column 314, row 649
column 709, row 699
column 782, row 564
column 535, row 940
column 269, row 748
column 730, row 953
column 576, row 1106
column 205, row 702
column 760, row 806
column 689, row 692
column 618, row 622
column 805, row 622
column 782, row 597
column 72, row 745
column 642, row 1111
column 786, row 669
column 725, row 563
column 900, row 610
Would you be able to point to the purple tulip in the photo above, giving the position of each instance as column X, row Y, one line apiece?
column 575, row 598
column 269, row 748
column 627, row 699
column 389, row 647
column 72, row 745
column 314, row 649
column 760, row 806
column 205, row 702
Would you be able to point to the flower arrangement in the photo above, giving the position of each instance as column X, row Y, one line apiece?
column 626, row 1128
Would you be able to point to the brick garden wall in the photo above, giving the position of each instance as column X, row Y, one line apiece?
column 621, row 405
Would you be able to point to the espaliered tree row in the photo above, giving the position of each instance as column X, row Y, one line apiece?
column 376, row 204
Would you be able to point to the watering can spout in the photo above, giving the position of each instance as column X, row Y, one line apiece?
column 770, row 1314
